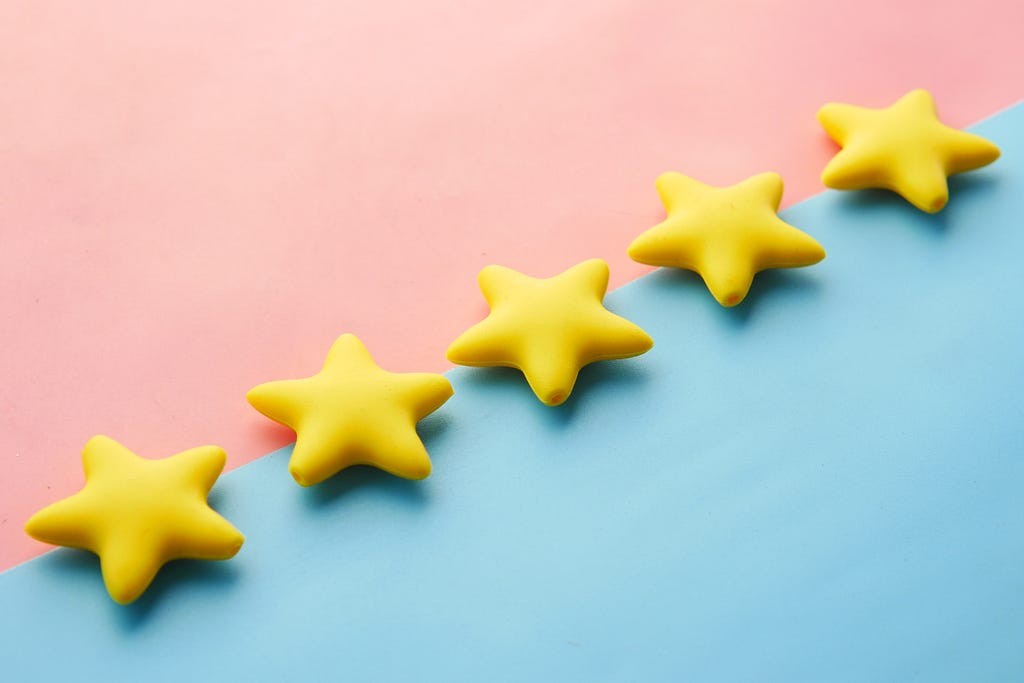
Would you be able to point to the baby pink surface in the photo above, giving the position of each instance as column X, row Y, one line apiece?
column 197, row 197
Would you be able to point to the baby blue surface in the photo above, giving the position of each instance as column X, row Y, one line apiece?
column 826, row 483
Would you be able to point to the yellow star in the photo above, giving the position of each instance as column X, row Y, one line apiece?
column 548, row 328
column 139, row 514
column 726, row 234
column 353, row 413
column 904, row 148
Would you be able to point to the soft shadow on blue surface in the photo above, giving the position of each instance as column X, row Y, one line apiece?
column 432, row 428
column 770, row 287
column 216, row 497
column 363, row 478
column 823, row 484
column 507, row 381
column 406, row 493
column 595, row 382
column 70, row 564
column 963, row 189
column 595, row 379
column 344, row 484
column 175, row 579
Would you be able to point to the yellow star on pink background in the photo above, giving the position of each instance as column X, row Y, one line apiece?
column 549, row 328
column 138, row 514
column 726, row 234
column 903, row 148
column 353, row 413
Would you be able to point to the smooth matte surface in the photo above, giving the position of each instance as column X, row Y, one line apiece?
column 159, row 159
column 823, row 483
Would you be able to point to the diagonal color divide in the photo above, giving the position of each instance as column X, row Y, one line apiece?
column 821, row 485
column 197, row 197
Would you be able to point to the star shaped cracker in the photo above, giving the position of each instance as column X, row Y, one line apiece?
column 903, row 148
column 139, row 514
column 548, row 328
column 353, row 413
column 726, row 234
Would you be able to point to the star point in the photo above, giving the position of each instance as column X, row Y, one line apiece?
column 138, row 514
column 353, row 413
column 548, row 328
column 903, row 148
column 725, row 234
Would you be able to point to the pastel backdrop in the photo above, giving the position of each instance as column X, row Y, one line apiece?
column 197, row 197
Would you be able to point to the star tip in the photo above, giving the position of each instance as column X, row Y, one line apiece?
column 124, row 593
column 300, row 477
column 595, row 271
column 830, row 179
column 349, row 340
column 920, row 99
column 825, row 111
column 636, row 252
column 554, row 398
column 215, row 455
column 932, row 205
column 32, row 527
column 770, row 185
column 236, row 545
column 731, row 299
column 419, row 473
column 813, row 252
column 445, row 390
column 97, row 439
column 668, row 182
column 452, row 354
column 123, row 597
column 257, row 395
column 489, row 270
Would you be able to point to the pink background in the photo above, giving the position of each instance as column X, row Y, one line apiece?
column 197, row 197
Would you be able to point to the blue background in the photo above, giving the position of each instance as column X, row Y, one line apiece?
column 825, row 483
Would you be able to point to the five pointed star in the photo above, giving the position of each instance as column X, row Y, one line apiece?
column 138, row 514
column 353, row 413
column 904, row 148
column 727, row 235
column 548, row 328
